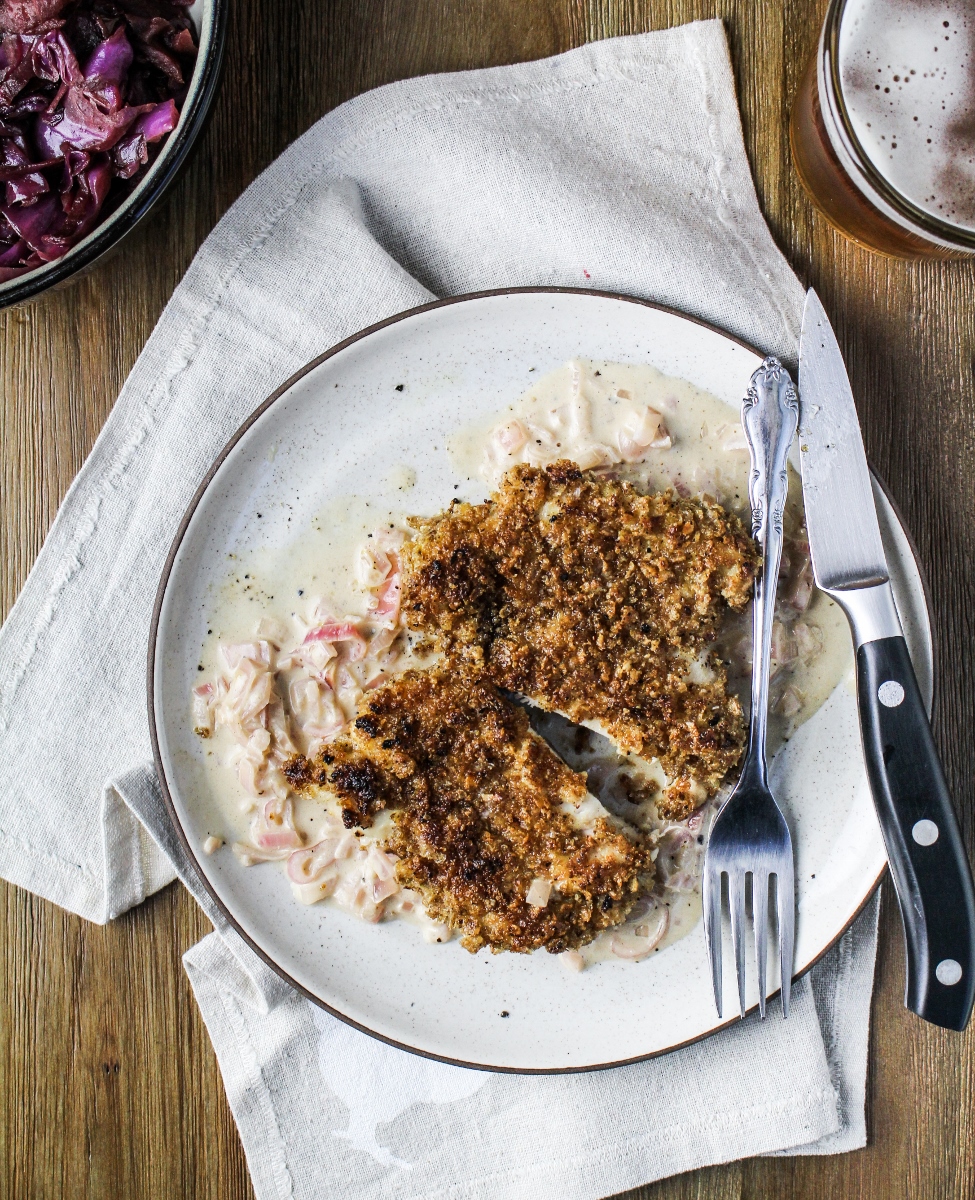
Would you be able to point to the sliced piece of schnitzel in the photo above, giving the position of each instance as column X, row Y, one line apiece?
column 497, row 834
column 598, row 602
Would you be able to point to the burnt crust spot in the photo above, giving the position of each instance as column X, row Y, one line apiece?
column 298, row 771
column 361, row 788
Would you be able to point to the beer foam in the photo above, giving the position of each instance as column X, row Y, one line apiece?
column 907, row 69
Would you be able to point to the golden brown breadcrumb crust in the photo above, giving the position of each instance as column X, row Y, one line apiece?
column 479, row 803
column 592, row 599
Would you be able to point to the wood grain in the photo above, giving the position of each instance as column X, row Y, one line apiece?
column 108, row 1084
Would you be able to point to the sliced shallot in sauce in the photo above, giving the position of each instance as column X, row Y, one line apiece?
column 511, row 437
column 634, row 946
column 274, row 828
column 335, row 633
column 305, row 866
column 235, row 653
column 643, row 431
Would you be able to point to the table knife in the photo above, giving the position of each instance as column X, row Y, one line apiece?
column 924, row 845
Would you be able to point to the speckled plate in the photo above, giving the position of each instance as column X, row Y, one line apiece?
column 334, row 430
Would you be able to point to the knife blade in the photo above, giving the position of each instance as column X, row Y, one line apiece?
column 835, row 476
column 925, row 850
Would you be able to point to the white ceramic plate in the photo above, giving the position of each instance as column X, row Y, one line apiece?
column 335, row 430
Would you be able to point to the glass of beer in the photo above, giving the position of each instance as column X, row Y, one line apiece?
column 883, row 126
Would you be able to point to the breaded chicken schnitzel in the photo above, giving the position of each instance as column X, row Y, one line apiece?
column 598, row 602
column 497, row 834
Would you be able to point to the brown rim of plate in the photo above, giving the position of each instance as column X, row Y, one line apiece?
column 154, row 631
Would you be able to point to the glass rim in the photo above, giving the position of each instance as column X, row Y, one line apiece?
column 926, row 222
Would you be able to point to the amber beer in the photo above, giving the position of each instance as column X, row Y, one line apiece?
column 883, row 126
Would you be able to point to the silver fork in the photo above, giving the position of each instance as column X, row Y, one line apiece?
column 750, row 835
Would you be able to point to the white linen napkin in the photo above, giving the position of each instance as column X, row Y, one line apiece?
column 618, row 166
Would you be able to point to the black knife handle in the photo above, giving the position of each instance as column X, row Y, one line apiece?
column 924, row 844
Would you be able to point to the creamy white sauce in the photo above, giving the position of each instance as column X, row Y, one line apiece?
column 592, row 402
column 590, row 412
column 290, row 580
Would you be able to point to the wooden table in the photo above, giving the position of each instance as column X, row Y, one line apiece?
column 108, row 1084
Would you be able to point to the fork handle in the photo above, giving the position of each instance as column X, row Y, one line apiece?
column 924, row 844
column 769, row 420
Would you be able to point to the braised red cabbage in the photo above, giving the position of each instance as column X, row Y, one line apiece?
column 89, row 89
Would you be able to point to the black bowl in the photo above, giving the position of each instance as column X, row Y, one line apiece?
column 211, row 19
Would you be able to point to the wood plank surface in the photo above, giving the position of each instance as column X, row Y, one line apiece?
column 108, row 1084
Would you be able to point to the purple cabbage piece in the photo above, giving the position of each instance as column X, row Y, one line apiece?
column 159, row 121
column 24, row 189
column 81, row 206
column 53, row 59
column 29, row 16
column 14, row 253
column 26, row 105
column 74, row 138
column 23, row 182
column 46, row 137
column 13, row 50
column 108, row 68
column 130, row 155
column 51, row 225
column 16, row 68
column 111, row 61
column 84, row 125
column 32, row 221
column 16, row 170
column 13, row 154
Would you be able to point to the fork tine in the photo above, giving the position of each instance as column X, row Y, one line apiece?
column 712, row 928
column 786, row 917
column 736, row 902
column 760, row 917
